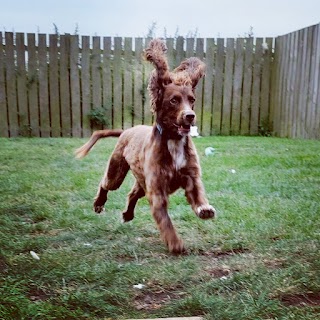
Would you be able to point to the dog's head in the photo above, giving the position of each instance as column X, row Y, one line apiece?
column 173, row 93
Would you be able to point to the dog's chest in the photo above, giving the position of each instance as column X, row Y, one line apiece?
column 177, row 152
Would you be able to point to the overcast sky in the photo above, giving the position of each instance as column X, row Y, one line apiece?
column 133, row 18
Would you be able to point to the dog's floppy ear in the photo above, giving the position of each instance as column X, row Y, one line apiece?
column 155, row 53
column 195, row 69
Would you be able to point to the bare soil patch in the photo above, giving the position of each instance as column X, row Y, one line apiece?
column 38, row 294
column 222, row 253
column 301, row 299
column 153, row 300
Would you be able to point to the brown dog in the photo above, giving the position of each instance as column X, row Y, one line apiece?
column 163, row 157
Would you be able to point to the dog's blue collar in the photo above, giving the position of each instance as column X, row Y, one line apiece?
column 159, row 128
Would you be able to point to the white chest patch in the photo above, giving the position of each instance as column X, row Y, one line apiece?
column 176, row 149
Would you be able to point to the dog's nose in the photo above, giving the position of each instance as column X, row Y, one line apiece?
column 189, row 116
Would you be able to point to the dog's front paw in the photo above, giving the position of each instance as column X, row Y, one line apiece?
column 98, row 205
column 127, row 216
column 206, row 211
column 97, row 208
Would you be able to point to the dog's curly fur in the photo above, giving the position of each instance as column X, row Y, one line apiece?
column 162, row 157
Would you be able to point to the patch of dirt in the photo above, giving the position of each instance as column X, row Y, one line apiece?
column 301, row 299
column 37, row 294
column 220, row 272
column 222, row 253
column 276, row 238
column 274, row 263
column 3, row 265
column 153, row 300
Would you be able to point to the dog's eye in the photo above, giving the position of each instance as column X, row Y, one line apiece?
column 192, row 100
column 174, row 101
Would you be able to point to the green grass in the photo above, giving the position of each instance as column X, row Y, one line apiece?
column 249, row 263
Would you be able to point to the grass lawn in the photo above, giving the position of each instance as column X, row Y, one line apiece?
column 259, row 259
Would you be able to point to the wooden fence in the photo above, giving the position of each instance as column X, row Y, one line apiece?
column 61, row 86
column 295, row 103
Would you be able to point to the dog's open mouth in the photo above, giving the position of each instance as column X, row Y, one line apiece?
column 183, row 129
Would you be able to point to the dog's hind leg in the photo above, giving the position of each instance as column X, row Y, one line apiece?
column 114, row 175
column 135, row 194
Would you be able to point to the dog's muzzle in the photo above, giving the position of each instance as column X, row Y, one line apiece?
column 189, row 117
column 187, row 120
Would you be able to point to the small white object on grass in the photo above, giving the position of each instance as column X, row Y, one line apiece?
column 87, row 244
column 233, row 171
column 34, row 255
column 139, row 286
column 209, row 151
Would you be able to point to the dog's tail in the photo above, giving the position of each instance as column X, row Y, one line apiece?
column 84, row 150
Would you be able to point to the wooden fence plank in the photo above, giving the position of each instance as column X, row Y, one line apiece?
column 107, row 99
column 218, row 88
column 179, row 51
column 24, row 126
column 273, row 86
column 305, row 111
column 277, row 118
column 286, row 88
column 11, row 86
column 247, row 85
column 43, row 87
column 275, row 107
column 96, row 75
column 64, row 86
column 128, row 110
column 139, row 93
column 303, row 87
column 190, row 47
column 171, row 52
column 295, row 83
column 117, row 85
column 264, row 122
column 4, row 128
column 54, row 85
column 315, row 118
column 33, row 81
column 255, row 106
column 237, row 87
column 281, row 83
column 314, row 72
column 291, row 79
column 292, row 76
column 227, row 88
column 287, row 98
column 208, row 88
column 85, row 85
column 75, row 86
column 300, row 48
column 200, row 87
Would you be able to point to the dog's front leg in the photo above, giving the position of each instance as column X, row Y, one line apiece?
column 159, row 207
column 195, row 195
